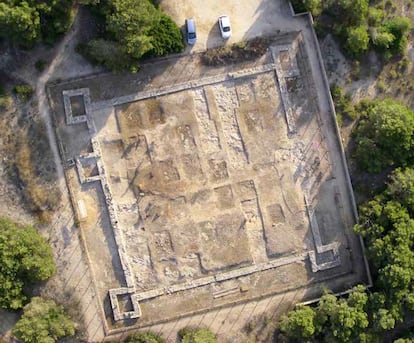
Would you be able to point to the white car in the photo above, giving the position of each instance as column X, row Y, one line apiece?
column 225, row 28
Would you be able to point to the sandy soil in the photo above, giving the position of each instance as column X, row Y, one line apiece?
column 248, row 19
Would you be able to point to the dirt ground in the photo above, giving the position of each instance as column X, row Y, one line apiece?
column 248, row 19
column 225, row 188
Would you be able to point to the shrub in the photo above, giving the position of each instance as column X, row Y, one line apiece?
column 43, row 322
column 343, row 105
column 357, row 40
column 4, row 101
column 399, row 28
column 24, row 92
column 188, row 335
column 145, row 337
column 25, row 258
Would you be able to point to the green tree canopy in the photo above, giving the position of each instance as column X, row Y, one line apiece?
column 25, row 258
column 26, row 21
column 384, row 136
column 387, row 225
column 299, row 324
column 131, row 23
column 43, row 322
column 19, row 23
column 333, row 320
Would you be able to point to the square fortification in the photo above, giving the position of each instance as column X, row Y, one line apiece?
column 214, row 191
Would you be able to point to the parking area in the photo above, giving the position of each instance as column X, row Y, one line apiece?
column 248, row 19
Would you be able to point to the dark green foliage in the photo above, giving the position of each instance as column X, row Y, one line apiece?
column 189, row 335
column 166, row 37
column 398, row 27
column 131, row 23
column 19, row 23
column 25, row 22
column 145, row 337
column 333, row 320
column 23, row 92
column 300, row 323
column 133, row 30
column 109, row 54
column 43, row 322
column 25, row 258
column 384, row 136
column 387, row 225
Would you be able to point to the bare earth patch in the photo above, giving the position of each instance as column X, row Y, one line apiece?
column 210, row 193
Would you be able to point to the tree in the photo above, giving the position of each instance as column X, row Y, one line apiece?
column 299, row 324
column 19, row 23
column 25, row 22
column 25, row 258
column 188, row 335
column 387, row 225
column 333, row 320
column 43, row 322
column 131, row 23
column 384, row 135
column 166, row 38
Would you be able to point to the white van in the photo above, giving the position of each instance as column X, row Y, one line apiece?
column 190, row 29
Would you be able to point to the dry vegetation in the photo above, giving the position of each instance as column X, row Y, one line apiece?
column 241, row 51
column 27, row 156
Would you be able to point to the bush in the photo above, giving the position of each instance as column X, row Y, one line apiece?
column 399, row 28
column 343, row 105
column 43, row 322
column 299, row 324
column 25, row 258
column 145, row 337
column 23, row 92
column 357, row 40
